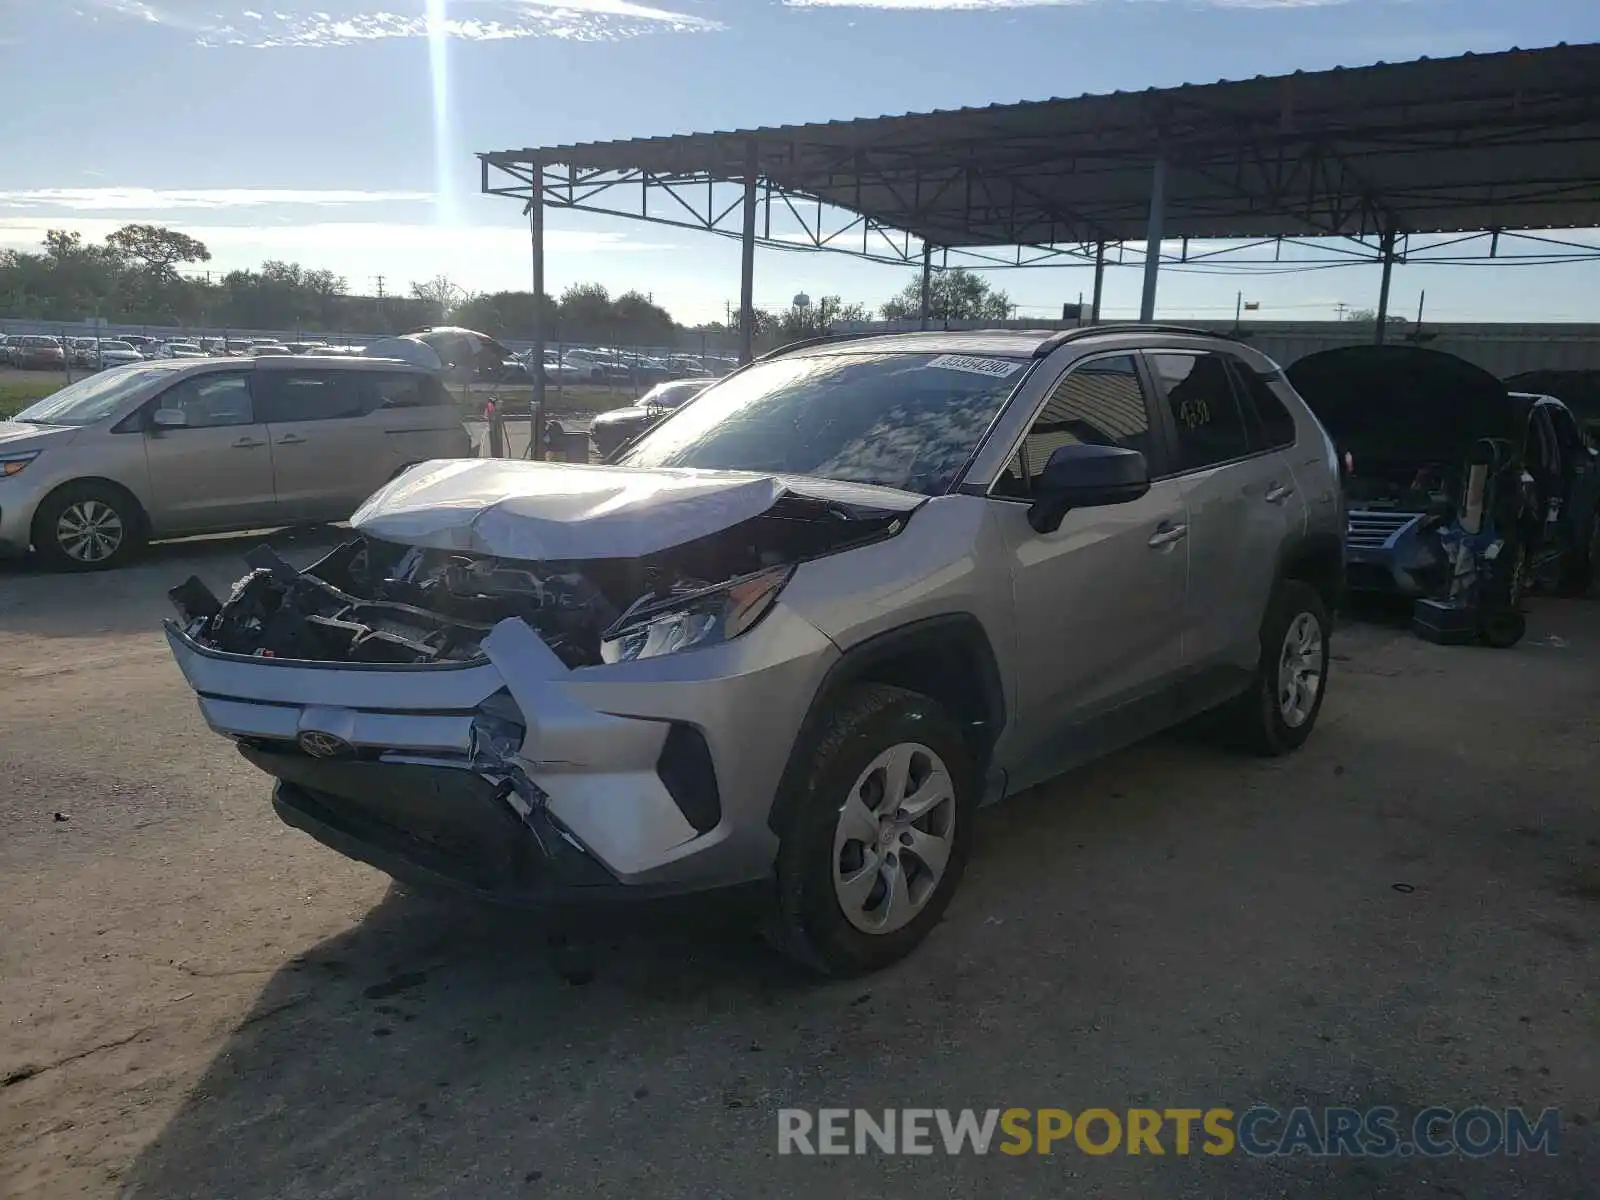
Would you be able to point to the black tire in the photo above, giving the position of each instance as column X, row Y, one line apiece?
column 88, row 500
column 1256, row 720
column 1580, row 563
column 808, row 922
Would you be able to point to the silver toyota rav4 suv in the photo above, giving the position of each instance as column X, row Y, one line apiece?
column 799, row 631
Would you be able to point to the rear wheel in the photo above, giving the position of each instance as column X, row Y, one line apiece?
column 877, row 833
column 1276, row 715
column 87, row 527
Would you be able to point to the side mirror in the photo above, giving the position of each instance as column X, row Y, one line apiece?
column 169, row 418
column 1083, row 476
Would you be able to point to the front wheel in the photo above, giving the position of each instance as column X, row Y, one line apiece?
column 87, row 527
column 876, row 832
column 1276, row 715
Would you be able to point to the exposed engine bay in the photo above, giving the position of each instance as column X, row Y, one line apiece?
column 379, row 602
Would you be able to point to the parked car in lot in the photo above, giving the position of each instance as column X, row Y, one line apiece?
column 602, row 368
column 558, row 371
column 258, row 349
column 185, row 446
column 1408, row 422
column 800, row 631
column 117, row 353
column 146, row 346
column 181, row 350
column 36, row 352
column 611, row 430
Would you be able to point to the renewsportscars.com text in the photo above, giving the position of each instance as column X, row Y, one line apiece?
column 1259, row 1132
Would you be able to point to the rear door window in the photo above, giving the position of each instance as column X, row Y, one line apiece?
column 292, row 396
column 1205, row 412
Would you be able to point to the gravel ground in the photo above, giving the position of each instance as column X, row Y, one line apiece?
column 198, row 1002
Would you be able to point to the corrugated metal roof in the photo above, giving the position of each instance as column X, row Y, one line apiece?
column 1508, row 140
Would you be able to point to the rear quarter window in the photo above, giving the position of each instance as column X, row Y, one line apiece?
column 1268, row 419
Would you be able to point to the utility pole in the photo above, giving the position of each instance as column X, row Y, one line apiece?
column 1340, row 309
column 379, row 282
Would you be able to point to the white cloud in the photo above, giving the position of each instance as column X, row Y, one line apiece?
column 350, row 22
column 997, row 5
column 142, row 200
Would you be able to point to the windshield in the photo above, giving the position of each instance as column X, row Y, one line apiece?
column 89, row 400
column 115, row 346
column 907, row 421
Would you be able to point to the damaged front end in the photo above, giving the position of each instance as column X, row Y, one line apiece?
column 376, row 602
column 444, row 712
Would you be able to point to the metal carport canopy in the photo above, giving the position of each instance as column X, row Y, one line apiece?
column 1507, row 141
column 1497, row 141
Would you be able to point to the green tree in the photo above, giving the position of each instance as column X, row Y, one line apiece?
column 157, row 249
column 586, row 314
column 1369, row 316
column 956, row 294
column 639, row 321
column 442, row 293
column 506, row 315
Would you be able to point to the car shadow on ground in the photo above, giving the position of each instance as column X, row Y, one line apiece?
column 1118, row 941
column 38, row 602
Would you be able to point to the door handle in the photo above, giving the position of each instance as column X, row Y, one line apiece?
column 1169, row 534
column 1277, row 494
column 291, row 439
column 247, row 443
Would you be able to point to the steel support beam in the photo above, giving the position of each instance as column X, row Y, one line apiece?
column 536, row 237
column 747, row 260
column 927, row 283
column 1099, row 282
column 1386, row 250
column 1152, row 243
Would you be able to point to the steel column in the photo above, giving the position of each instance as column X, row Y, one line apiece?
column 747, row 260
column 536, row 236
column 1099, row 282
column 1152, row 244
column 1386, row 250
column 927, row 283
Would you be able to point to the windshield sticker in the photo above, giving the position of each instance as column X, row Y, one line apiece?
column 994, row 368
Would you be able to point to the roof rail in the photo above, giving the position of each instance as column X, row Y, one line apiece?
column 1050, row 344
column 820, row 340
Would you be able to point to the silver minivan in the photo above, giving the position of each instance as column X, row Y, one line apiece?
column 188, row 446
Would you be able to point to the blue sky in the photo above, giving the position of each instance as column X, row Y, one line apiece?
column 337, row 133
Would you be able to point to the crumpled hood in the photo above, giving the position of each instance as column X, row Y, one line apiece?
column 571, row 511
column 18, row 436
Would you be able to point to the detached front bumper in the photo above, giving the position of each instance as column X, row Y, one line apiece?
column 1396, row 553
column 523, row 781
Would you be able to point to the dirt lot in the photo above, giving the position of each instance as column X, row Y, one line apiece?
column 197, row 1002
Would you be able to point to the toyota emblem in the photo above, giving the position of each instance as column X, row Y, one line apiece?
column 324, row 745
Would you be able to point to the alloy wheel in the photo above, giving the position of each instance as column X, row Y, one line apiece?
column 893, row 841
column 1300, row 670
column 89, row 531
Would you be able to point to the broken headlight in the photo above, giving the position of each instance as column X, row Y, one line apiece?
column 656, row 626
